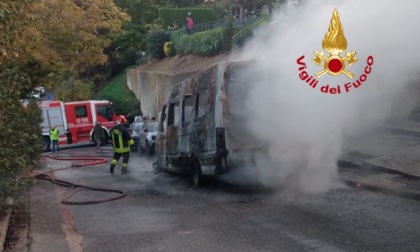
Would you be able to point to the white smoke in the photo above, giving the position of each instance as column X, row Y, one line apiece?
column 305, row 127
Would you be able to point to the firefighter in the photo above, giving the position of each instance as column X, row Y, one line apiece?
column 121, row 141
column 54, row 139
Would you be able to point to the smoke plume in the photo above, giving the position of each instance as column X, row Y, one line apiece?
column 305, row 127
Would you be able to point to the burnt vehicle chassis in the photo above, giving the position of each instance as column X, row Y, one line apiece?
column 199, row 132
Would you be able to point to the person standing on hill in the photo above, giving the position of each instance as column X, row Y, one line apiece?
column 190, row 24
column 121, row 141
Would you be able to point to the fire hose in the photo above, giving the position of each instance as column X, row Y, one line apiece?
column 50, row 176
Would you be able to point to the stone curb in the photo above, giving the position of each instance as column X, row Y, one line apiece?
column 408, row 194
column 404, row 193
column 366, row 160
column 371, row 165
column 402, row 131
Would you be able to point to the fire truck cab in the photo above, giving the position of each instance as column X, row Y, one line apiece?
column 75, row 121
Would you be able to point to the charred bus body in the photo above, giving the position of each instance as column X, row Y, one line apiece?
column 202, row 125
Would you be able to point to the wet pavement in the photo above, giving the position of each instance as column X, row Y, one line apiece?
column 164, row 212
column 394, row 147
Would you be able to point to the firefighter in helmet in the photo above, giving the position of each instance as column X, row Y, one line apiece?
column 121, row 141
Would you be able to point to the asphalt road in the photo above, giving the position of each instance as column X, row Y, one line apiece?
column 163, row 212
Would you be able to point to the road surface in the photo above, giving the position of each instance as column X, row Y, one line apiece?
column 163, row 212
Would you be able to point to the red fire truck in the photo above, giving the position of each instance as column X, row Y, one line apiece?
column 75, row 120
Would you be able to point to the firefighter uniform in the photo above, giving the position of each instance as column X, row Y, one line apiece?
column 121, row 141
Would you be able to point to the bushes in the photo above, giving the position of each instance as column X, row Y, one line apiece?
column 243, row 35
column 155, row 41
column 247, row 32
column 206, row 43
column 177, row 39
column 20, row 135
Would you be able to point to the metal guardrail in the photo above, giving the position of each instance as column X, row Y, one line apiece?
column 248, row 17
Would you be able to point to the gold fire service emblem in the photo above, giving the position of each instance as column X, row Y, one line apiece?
column 334, row 43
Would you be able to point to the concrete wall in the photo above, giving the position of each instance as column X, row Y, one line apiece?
column 150, row 88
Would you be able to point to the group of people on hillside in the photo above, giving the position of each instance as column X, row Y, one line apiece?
column 189, row 25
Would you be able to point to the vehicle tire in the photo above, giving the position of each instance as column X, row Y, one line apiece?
column 94, row 139
column 46, row 143
column 197, row 176
column 105, row 140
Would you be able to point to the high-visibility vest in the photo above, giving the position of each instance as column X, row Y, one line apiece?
column 54, row 134
column 121, row 139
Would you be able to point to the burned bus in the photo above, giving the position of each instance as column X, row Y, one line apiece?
column 202, row 125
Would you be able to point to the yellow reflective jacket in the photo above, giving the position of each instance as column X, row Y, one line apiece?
column 121, row 139
column 54, row 134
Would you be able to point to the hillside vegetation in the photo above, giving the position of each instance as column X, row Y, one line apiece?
column 177, row 52
column 124, row 100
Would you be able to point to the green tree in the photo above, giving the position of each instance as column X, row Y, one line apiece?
column 128, row 47
column 155, row 42
column 42, row 41
column 144, row 16
column 69, row 36
column 19, row 125
column 71, row 89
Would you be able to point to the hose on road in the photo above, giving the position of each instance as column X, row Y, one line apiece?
column 88, row 161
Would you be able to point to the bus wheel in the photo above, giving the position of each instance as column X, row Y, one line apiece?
column 46, row 143
column 197, row 176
